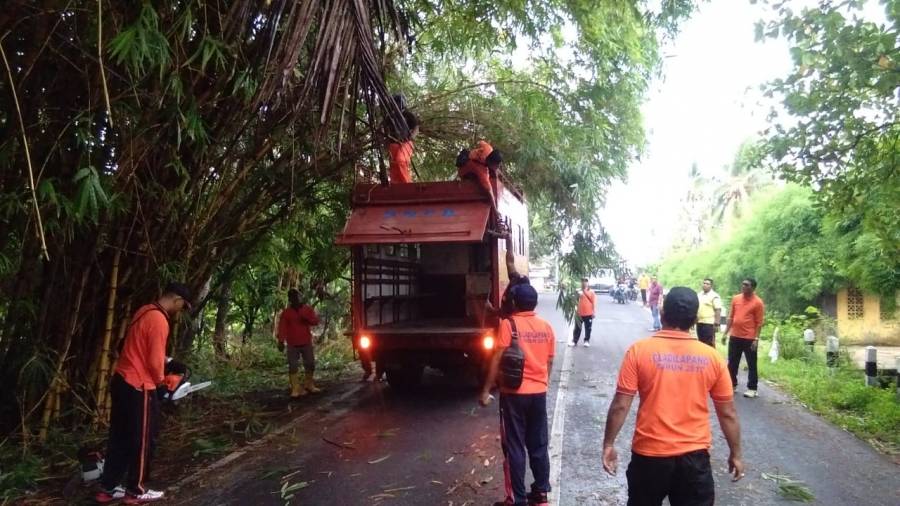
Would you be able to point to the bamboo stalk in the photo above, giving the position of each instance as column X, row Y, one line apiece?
column 37, row 209
column 103, row 374
column 53, row 399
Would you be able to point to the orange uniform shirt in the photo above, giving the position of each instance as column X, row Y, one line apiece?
column 400, row 154
column 747, row 315
column 586, row 303
column 294, row 324
column 538, row 343
column 674, row 374
column 477, row 166
column 143, row 358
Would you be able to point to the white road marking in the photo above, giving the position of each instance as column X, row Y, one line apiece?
column 556, row 430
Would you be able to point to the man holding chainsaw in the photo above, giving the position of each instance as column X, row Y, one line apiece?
column 294, row 334
column 134, row 417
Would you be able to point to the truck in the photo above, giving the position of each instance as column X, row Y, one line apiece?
column 427, row 269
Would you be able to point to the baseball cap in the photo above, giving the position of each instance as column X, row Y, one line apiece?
column 681, row 303
column 525, row 296
column 181, row 290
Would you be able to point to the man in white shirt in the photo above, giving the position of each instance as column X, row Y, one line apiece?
column 709, row 313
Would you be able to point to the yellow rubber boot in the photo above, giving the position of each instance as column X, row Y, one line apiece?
column 310, row 384
column 297, row 389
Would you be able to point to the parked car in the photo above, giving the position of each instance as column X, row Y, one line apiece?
column 604, row 282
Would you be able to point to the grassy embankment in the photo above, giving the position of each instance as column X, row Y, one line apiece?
column 839, row 395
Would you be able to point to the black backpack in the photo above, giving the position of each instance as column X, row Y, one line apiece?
column 512, row 362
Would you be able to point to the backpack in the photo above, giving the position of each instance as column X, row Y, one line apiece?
column 512, row 362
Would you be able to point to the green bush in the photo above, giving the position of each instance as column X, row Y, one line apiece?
column 840, row 395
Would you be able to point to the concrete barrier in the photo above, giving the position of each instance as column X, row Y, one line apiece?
column 871, row 366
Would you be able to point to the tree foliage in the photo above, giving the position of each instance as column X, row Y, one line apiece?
column 837, row 127
column 166, row 140
column 782, row 244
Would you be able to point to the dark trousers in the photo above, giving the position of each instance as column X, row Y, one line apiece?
column 706, row 333
column 686, row 479
column 523, row 427
column 133, row 426
column 644, row 296
column 587, row 322
column 737, row 347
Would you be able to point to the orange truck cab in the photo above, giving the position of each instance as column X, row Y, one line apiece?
column 424, row 266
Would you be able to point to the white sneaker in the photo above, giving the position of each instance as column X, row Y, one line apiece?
column 148, row 496
column 587, row 344
column 104, row 496
column 751, row 394
column 571, row 344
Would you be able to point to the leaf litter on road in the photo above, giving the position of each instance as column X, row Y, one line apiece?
column 379, row 460
column 789, row 488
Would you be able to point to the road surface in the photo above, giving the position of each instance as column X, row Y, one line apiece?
column 365, row 444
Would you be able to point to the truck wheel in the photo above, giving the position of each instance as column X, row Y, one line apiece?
column 405, row 378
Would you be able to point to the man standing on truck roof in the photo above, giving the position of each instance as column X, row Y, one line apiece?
column 745, row 320
column 400, row 152
column 134, row 417
column 523, row 412
column 294, row 331
column 674, row 374
column 586, row 307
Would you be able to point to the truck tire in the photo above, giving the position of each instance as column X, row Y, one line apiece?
column 405, row 378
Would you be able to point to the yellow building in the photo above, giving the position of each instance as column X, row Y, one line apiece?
column 860, row 319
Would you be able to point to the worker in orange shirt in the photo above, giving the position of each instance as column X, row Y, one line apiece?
column 481, row 165
column 745, row 320
column 400, row 151
column 523, row 412
column 674, row 374
column 295, row 335
column 134, row 415
column 586, row 307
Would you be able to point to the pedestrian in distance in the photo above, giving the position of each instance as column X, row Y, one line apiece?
column 586, row 309
column 295, row 337
column 745, row 320
column 644, row 285
column 674, row 375
column 654, row 296
column 134, row 414
column 523, row 411
column 709, row 313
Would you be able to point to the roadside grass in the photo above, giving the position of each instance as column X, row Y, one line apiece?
column 839, row 395
column 247, row 400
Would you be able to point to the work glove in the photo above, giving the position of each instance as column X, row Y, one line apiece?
column 281, row 346
column 494, row 159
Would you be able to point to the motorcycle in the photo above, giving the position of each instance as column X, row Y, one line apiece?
column 619, row 295
column 632, row 293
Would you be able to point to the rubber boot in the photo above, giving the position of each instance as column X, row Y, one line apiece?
column 310, row 384
column 297, row 389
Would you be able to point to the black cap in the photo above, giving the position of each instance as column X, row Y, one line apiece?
column 681, row 303
column 525, row 296
column 181, row 290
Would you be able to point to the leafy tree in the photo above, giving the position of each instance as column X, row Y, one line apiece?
column 837, row 128
column 781, row 244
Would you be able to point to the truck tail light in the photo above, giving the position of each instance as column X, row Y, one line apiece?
column 488, row 342
column 365, row 342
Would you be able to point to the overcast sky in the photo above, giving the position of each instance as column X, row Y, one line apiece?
column 705, row 105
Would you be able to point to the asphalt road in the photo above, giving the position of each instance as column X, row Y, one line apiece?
column 366, row 444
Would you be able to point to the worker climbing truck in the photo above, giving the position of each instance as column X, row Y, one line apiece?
column 426, row 261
